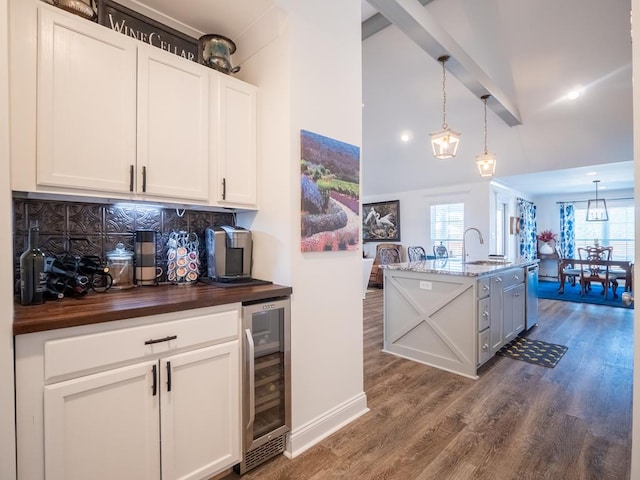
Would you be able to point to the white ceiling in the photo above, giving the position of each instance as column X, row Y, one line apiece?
column 534, row 51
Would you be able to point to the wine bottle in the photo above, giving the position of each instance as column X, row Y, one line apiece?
column 33, row 279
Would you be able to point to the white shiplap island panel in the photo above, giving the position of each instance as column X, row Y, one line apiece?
column 431, row 312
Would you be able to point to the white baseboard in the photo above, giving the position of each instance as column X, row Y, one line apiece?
column 311, row 433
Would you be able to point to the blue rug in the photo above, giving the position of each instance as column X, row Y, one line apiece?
column 549, row 291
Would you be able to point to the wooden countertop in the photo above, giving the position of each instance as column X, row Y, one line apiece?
column 135, row 302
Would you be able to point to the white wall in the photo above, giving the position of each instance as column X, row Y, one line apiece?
column 310, row 78
column 635, row 445
column 7, row 422
column 415, row 217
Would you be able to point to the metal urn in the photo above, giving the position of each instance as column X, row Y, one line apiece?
column 215, row 51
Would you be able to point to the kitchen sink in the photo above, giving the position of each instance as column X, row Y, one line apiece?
column 487, row 262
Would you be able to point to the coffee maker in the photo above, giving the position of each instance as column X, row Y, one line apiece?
column 229, row 251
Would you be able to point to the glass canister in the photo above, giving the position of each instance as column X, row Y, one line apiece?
column 120, row 263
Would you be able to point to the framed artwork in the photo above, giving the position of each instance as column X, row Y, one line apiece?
column 330, row 194
column 381, row 221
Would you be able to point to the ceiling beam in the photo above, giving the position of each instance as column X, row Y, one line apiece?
column 412, row 18
column 377, row 22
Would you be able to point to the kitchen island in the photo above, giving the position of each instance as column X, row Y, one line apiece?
column 452, row 315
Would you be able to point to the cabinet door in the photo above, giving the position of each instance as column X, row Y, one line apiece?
column 519, row 308
column 103, row 426
column 200, row 412
column 173, row 126
column 86, row 105
column 514, row 309
column 237, row 152
column 496, row 312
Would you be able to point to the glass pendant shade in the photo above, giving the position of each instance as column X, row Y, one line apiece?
column 445, row 143
column 486, row 164
column 597, row 208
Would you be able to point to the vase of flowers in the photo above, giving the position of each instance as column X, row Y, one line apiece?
column 546, row 242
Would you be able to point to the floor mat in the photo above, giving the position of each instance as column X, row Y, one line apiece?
column 534, row 351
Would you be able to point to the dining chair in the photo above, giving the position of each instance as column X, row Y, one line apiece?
column 440, row 251
column 416, row 254
column 596, row 268
column 385, row 253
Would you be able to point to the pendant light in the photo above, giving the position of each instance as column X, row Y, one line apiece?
column 597, row 208
column 445, row 142
column 487, row 161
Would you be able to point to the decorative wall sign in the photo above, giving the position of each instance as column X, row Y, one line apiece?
column 381, row 221
column 132, row 24
column 330, row 194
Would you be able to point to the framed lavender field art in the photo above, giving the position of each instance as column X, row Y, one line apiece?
column 330, row 194
column 381, row 221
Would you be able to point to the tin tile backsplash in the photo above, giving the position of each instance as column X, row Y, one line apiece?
column 83, row 229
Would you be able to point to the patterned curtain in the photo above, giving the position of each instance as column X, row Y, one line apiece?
column 527, row 238
column 567, row 230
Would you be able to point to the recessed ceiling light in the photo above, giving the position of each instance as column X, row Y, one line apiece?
column 592, row 173
column 573, row 94
column 405, row 136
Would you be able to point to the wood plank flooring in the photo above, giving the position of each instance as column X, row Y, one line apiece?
column 518, row 421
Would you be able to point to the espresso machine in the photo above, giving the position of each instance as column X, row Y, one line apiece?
column 229, row 251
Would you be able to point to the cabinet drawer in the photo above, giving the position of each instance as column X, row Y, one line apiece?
column 512, row 277
column 484, row 314
column 484, row 287
column 86, row 352
column 484, row 348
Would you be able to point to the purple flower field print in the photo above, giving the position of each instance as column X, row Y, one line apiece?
column 330, row 194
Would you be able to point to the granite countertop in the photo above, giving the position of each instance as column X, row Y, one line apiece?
column 456, row 267
column 136, row 302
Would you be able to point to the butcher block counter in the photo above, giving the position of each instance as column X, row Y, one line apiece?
column 136, row 302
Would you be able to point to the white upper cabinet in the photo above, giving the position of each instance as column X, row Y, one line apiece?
column 237, row 152
column 173, row 126
column 86, row 120
column 117, row 118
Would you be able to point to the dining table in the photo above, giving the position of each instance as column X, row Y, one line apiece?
column 569, row 268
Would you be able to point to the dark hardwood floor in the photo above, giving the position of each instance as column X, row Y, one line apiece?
column 518, row 421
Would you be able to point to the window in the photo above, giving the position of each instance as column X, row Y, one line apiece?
column 618, row 232
column 501, row 228
column 447, row 226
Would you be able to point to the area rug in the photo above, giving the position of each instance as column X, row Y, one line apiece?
column 549, row 291
column 533, row 351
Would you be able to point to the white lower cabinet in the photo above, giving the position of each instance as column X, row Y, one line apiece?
column 103, row 426
column 514, row 311
column 200, row 404
column 159, row 399
column 501, row 313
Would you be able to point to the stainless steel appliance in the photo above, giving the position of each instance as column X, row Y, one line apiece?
column 531, row 318
column 229, row 251
column 266, row 384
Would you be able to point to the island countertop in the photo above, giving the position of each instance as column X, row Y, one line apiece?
column 456, row 267
column 136, row 302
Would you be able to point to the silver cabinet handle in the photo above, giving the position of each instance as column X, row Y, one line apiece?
column 485, row 347
column 485, row 287
column 485, row 314
column 252, row 374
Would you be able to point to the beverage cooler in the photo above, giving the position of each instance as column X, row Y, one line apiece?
column 266, row 382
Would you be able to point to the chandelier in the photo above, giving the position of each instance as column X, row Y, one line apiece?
column 597, row 208
column 445, row 142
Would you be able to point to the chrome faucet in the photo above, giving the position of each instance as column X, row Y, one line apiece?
column 464, row 247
